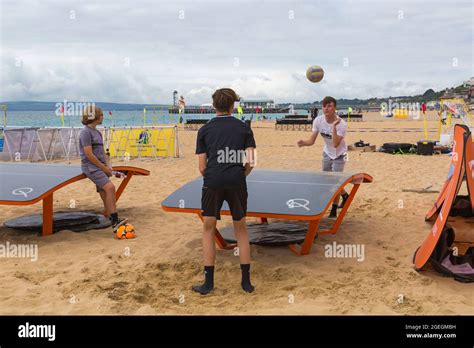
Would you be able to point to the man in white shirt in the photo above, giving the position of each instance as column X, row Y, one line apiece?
column 333, row 131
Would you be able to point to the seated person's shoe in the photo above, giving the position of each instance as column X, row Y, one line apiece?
column 344, row 199
column 116, row 226
column 333, row 212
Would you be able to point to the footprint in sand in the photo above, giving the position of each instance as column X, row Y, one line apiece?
column 392, row 262
column 194, row 244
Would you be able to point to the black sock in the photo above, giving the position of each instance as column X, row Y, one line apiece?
column 114, row 218
column 208, row 282
column 333, row 210
column 345, row 196
column 246, row 285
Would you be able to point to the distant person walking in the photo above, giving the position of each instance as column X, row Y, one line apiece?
column 181, row 104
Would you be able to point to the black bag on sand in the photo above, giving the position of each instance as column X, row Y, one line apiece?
column 444, row 260
column 397, row 148
column 361, row 143
column 461, row 207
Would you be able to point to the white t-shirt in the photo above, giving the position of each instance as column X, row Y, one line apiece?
column 325, row 129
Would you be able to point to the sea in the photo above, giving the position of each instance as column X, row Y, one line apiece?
column 117, row 119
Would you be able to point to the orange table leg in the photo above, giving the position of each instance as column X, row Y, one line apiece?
column 305, row 248
column 123, row 184
column 264, row 220
column 342, row 213
column 48, row 215
column 220, row 241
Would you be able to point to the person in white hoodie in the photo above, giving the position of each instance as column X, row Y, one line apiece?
column 333, row 131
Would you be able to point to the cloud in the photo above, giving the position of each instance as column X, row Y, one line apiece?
column 142, row 51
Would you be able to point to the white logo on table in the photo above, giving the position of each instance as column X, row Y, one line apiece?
column 22, row 191
column 298, row 203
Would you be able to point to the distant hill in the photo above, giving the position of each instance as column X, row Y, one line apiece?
column 429, row 95
column 51, row 106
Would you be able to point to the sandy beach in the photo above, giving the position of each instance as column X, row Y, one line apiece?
column 93, row 273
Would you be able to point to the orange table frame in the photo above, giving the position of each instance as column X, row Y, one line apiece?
column 305, row 247
column 47, row 197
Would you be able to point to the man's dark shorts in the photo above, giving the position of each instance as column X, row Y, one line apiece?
column 236, row 198
column 97, row 176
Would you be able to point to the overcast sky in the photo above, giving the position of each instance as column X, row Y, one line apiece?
column 140, row 51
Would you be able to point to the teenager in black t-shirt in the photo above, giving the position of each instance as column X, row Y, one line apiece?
column 225, row 147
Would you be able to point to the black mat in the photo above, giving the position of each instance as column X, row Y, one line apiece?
column 74, row 221
column 278, row 233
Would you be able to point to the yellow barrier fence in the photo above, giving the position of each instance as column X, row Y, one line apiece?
column 143, row 142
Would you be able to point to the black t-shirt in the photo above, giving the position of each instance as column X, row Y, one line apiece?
column 224, row 140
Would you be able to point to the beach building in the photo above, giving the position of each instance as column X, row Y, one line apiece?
column 254, row 103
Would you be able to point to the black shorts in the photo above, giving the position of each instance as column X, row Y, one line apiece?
column 236, row 198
